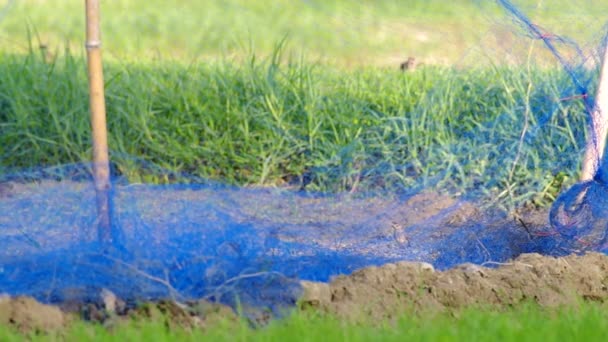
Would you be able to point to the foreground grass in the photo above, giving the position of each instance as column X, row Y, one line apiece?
column 277, row 122
column 527, row 323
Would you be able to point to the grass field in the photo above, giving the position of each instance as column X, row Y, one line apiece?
column 257, row 106
column 269, row 123
column 527, row 323
column 210, row 90
column 344, row 33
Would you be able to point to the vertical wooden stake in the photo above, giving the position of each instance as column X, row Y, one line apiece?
column 596, row 142
column 101, row 163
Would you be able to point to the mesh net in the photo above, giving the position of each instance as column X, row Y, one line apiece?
column 225, row 243
column 393, row 192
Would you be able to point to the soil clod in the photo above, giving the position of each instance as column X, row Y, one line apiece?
column 392, row 289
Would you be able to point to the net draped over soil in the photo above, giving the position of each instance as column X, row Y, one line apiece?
column 228, row 244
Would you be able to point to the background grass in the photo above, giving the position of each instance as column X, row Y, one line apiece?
column 268, row 122
column 344, row 33
column 255, row 92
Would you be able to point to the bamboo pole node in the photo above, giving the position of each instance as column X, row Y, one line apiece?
column 94, row 44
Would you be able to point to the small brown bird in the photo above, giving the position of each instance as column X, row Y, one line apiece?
column 409, row 64
column 47, row 55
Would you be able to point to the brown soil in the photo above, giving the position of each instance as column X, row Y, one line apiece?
column 385, row 292
column 27, row 315
column 200, row 314
column 370, row 294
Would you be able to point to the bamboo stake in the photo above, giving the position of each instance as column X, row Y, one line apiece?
column 596, row 142
column 101, row 164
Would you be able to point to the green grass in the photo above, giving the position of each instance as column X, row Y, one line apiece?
column 345, row 33
column 238, row 107
column 528, row 323
column 268, row 122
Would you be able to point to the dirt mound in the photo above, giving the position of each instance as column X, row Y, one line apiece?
column 27, row 315
column 373, row 293
column 386, row 292
column 199, row 314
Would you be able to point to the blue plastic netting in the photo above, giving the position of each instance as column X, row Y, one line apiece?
column 217, row 242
